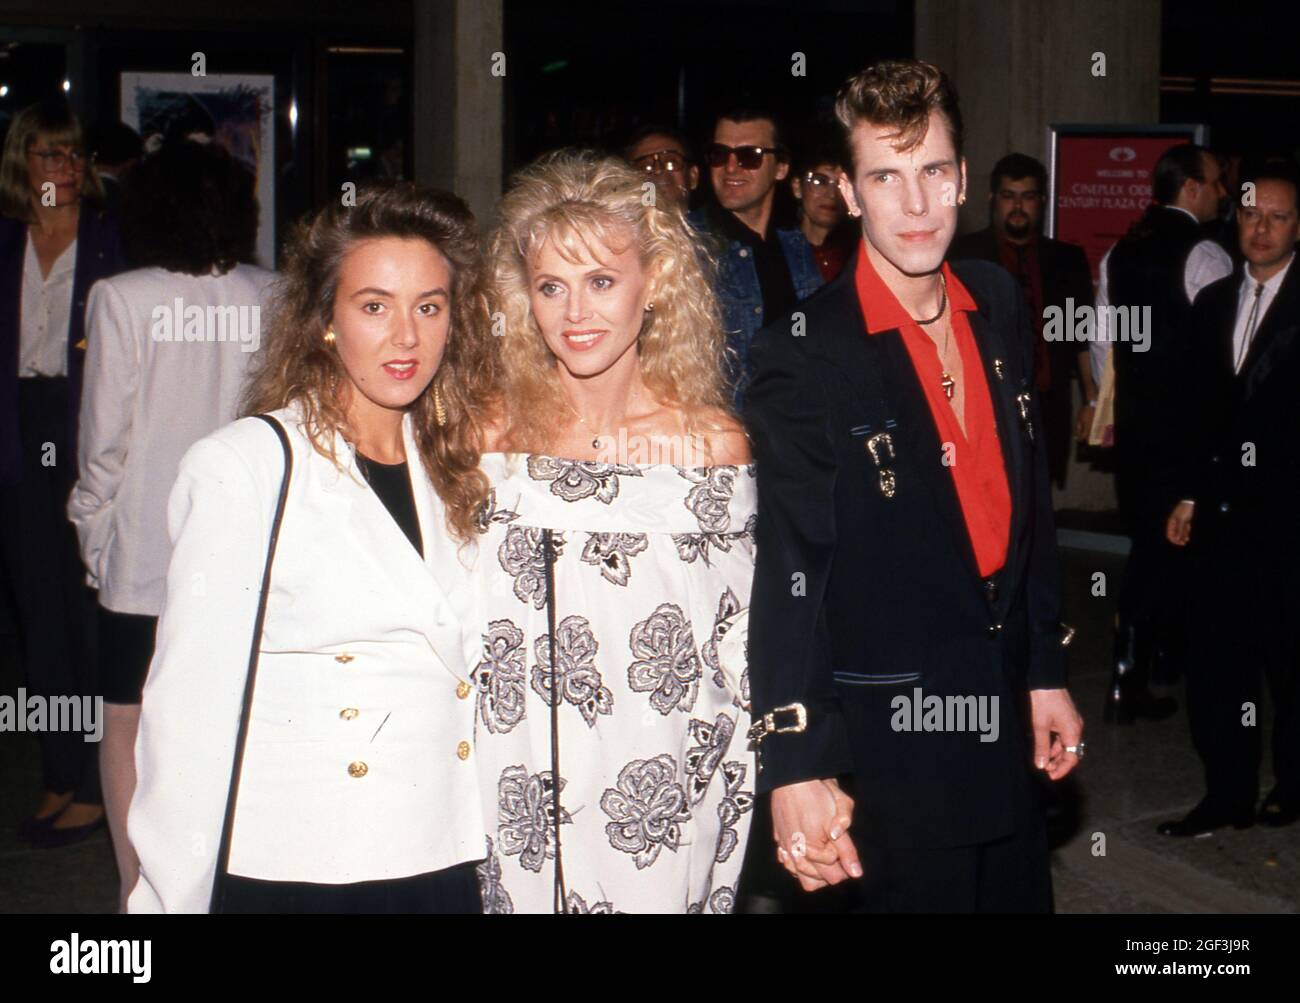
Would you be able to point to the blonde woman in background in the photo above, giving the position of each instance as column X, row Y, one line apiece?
column 56, row 241
column 613, row 555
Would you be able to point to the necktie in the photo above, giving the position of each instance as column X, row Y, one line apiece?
column 1042, row 360
column 1251, row 321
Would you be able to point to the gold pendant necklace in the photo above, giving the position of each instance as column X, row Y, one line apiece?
column 946, row 382
column 595, row 437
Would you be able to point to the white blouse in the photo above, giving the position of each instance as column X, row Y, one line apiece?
column 46, row 313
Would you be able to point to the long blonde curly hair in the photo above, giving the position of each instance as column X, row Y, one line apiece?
column 297, row 366
column 580, row 200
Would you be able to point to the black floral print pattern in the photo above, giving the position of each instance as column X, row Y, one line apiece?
column 496, row 900
column 728, row 606
column 702, row 758
column 523, row 557
column 723, row 900
column 648, row 808
column 488, row 513
column 526, row 816
column 574, row 480
column 649, row 586
column 667, row 662
column 611, row 552
column 710, row 500
column 579, row 679
column 735, row 803
column 693, row 547
column 501, row 677
column 576, row 904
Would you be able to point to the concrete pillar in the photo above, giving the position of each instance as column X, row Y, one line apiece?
column 458, row 101
column 1020, row 65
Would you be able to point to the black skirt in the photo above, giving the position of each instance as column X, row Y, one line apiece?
column 453, row 890
column 126, row 642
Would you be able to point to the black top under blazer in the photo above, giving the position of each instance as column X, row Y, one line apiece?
column 890, row 598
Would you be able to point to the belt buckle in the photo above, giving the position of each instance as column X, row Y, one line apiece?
column 766, row 725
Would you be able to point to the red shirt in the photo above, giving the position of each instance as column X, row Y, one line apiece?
column 978, row 472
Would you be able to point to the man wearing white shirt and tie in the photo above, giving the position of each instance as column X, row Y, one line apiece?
column 1240, row 490
column 1153, row 274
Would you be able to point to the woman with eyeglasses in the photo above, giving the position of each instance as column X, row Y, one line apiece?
column 613, row 556
column 55, row 242
column 823, row 214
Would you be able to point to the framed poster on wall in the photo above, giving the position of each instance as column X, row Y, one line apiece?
column 236, row 110
column 1099, row 179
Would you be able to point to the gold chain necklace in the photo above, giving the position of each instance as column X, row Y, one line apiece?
column 595, row 436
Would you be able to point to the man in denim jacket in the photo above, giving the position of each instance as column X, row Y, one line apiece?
column 763, row 271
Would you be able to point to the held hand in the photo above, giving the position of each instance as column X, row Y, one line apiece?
column 810, row 823
column 1083, row 423
column 1056, row 725
column 1178, row 530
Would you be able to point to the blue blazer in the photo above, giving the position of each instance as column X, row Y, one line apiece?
column 99, row 255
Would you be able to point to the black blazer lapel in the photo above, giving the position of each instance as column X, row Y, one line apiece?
column 920, row 440
column 1276, row 334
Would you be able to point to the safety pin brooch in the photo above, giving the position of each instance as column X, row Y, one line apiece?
column 881, row 448
column 1022, row 405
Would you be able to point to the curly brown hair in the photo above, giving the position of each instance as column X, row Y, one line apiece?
column 297, row 366
column 899, row 94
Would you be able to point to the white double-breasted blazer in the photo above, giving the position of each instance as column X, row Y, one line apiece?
column 359, row 764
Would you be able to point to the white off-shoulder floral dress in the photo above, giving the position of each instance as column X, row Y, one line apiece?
column 631, row 575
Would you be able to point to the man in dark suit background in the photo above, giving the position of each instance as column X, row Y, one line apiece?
column 905, row 546
column 1240, row 492
column 1150, row 277
column 1050, row 273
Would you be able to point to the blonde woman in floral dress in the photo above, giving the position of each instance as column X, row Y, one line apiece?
column 614, row 554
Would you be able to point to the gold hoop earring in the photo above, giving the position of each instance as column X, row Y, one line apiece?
column 439, row 412
column 329, row 336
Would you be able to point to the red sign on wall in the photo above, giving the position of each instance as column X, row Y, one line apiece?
column 1101, row 180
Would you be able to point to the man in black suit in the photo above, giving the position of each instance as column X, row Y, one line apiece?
column 1053, row 275
column 1239, row 516
column 1151, row 277
column 907, row 581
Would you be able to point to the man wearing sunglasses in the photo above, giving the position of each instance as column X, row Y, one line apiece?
column 665, row 157
column 763, row 271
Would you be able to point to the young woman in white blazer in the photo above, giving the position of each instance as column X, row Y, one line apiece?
column 358, row 790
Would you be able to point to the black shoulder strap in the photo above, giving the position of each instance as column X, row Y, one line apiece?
column 232, row 795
